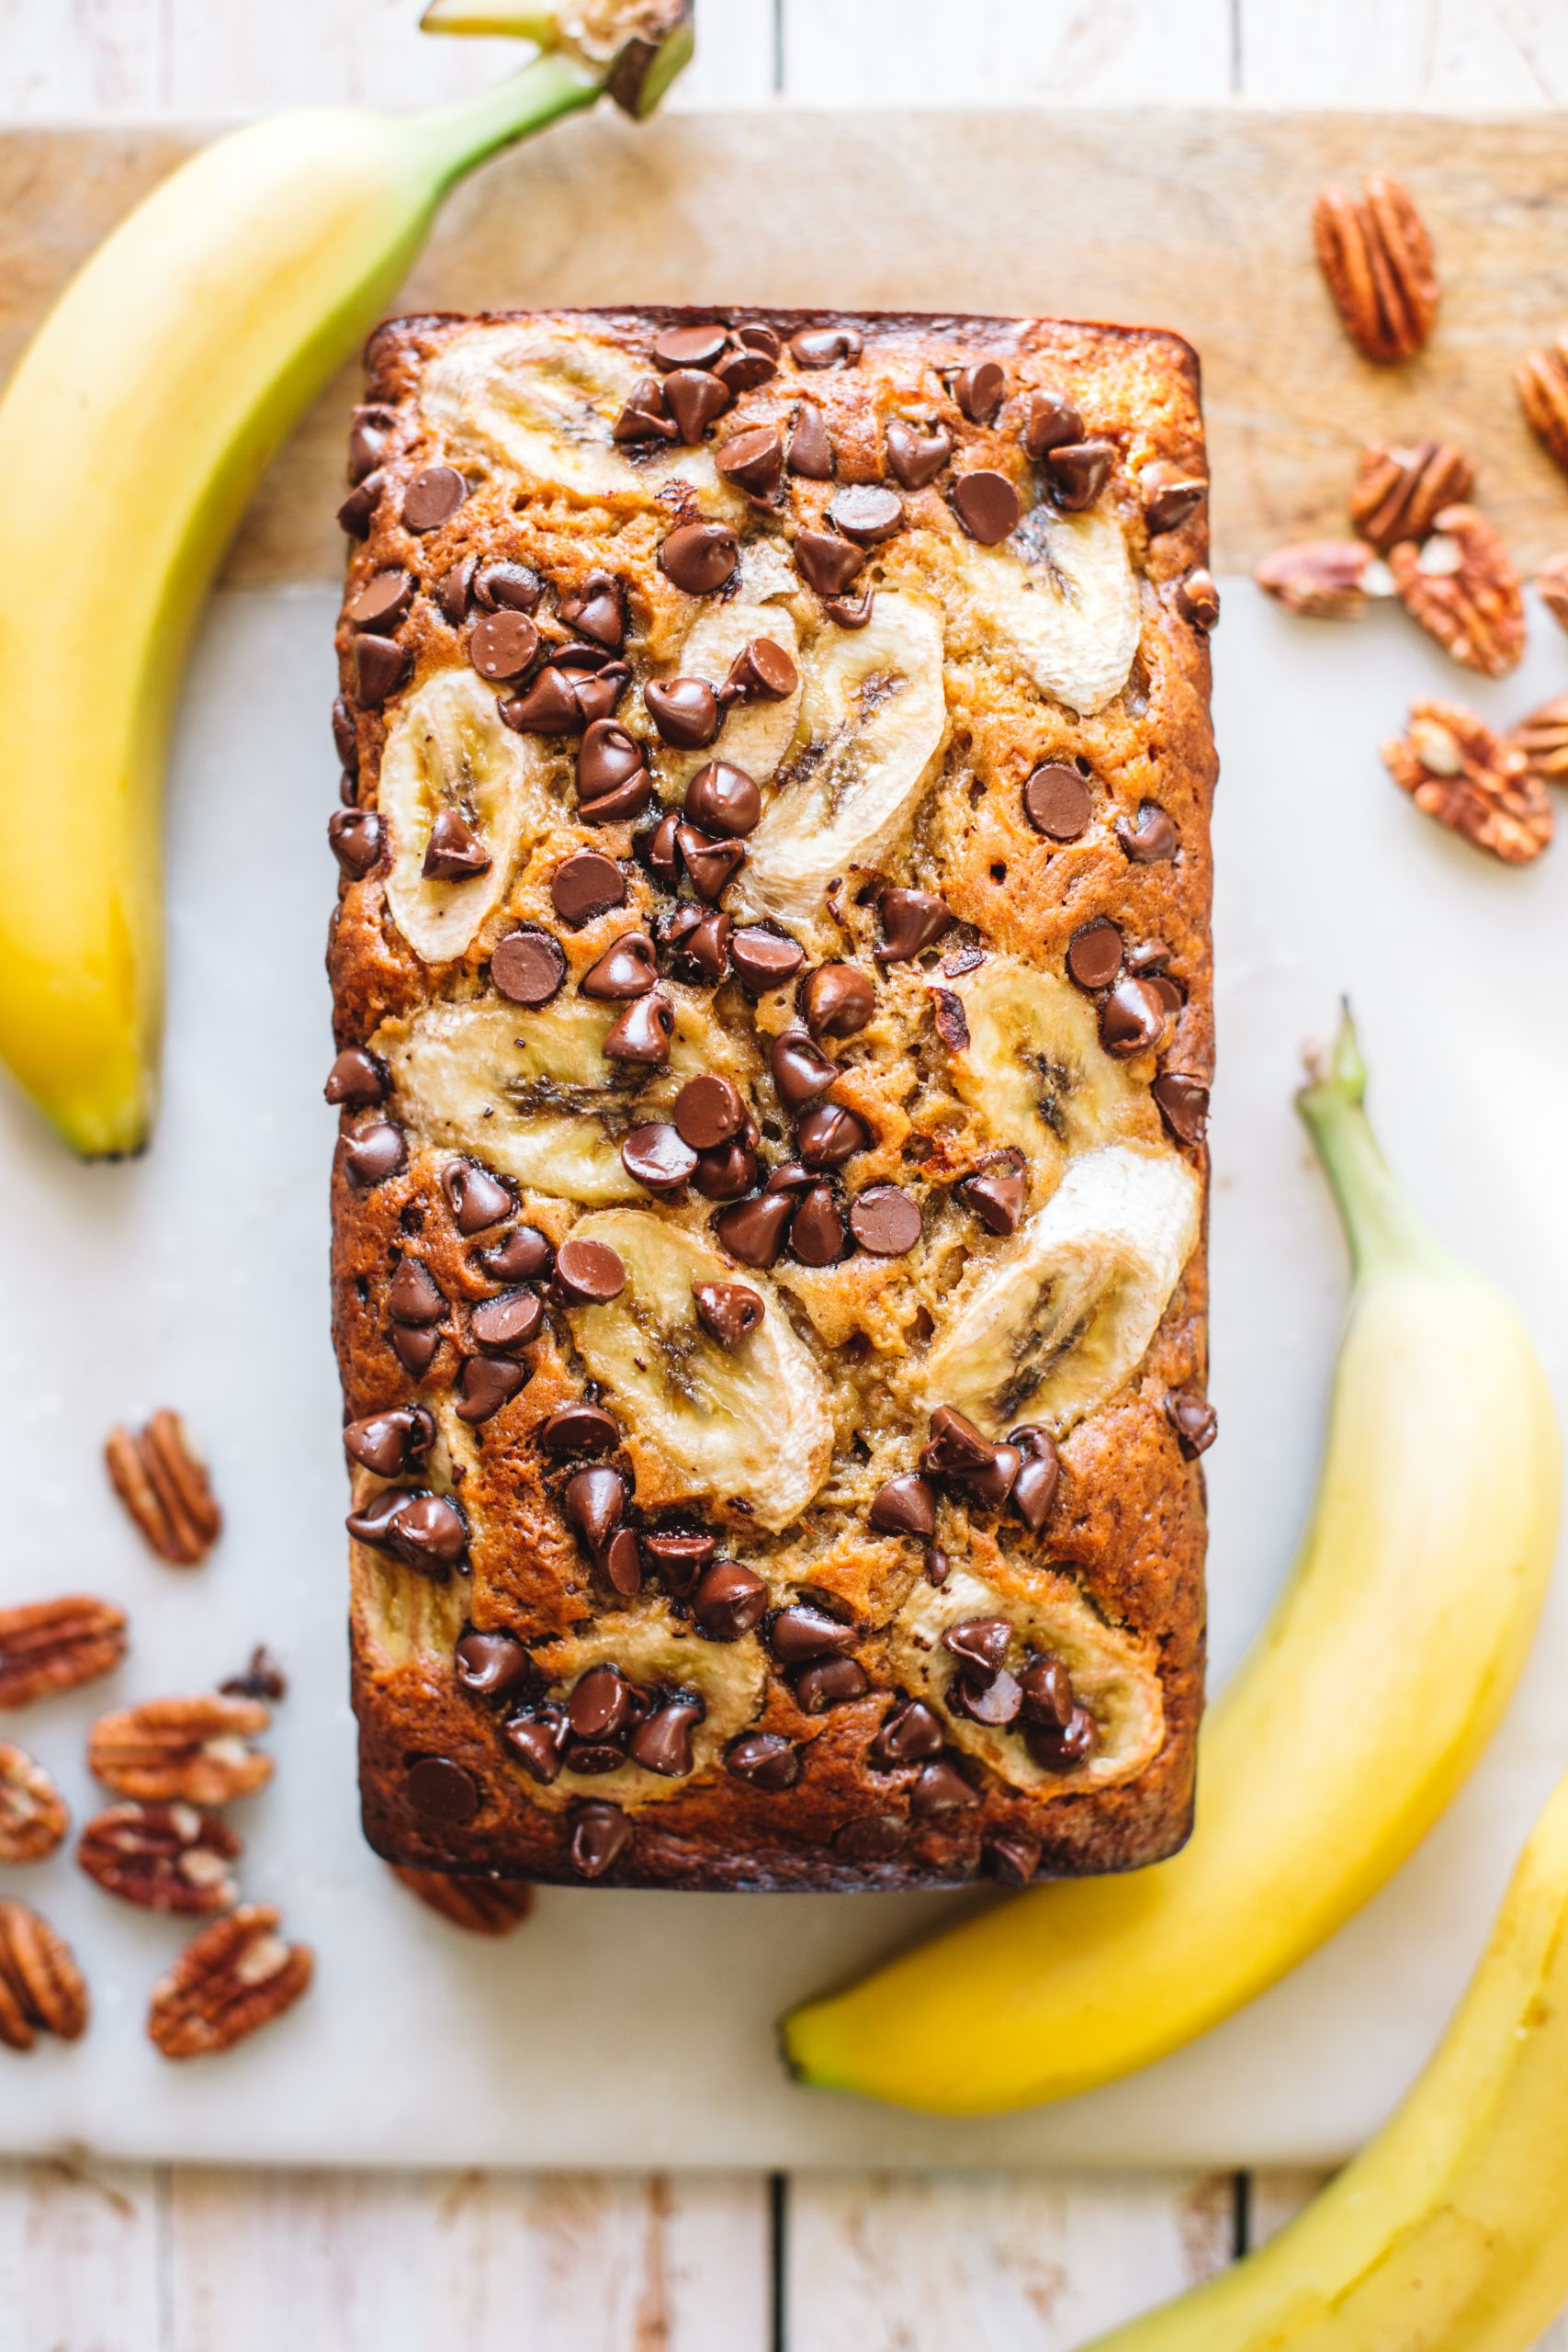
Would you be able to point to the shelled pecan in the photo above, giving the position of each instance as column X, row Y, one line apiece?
column 1458, row 769
column 230, row 1980
column 1540, row 379
column 163, row 1857
column 1400, row 490
column 486, row 1906
column 1462, row 586
column 33, row 1818
column 1377, row 257
column 1325, row 579
column 163, row 1482
column 1552, row 587
column 50, row 1645
column 1542, row 737
column 182, row 1751
column 41, row 1988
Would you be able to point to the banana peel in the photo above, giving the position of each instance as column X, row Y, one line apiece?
column 639, row 46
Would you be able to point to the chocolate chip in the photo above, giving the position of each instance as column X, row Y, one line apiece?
column 1047, row 1689
column 829, row 1682
column 995, row 1703
column 359, row 509
column 538, row 1742
column 711, row 865
column 800, row 1072
column 1039, row 1471
column 1064, row 1749
column 694, row 398
column 382, row 601
column 699, row 557
column 454, row 853
column 621, row 803
column 379, row 667
column 655, row 1157
column 870, row 1837
column 1057, row 802
column 601, row 1705
column 988, row 505
column 726, row 1171
column 415, row 1295
column 1052, row 421
column 586, row 884
column 579, row 1428
column 1151, row 839
column 346, row 736
column 621, row 1563
column 433, row 497
column 507, row 587
column 627, row 969
column 909, row 1734
column 503, row 645
column 997, row 1193
column 485, row 1385
column 765, row 959
column 357, row 1079
column 594, row 1503
column 728, row 1312
column 836, row 1001
column 705, row 948
column 753, row 1231
column 658, row 849
column 372, row 1154
column 709, row 1111
column 609, row 755
column 957, row 1449
column 1079, row 472
column 816, row 1235
column 729, row 1601
column 641, row 1033
column 833, row 347
column 916, row 456
column 414, row 1349
column 941, row 1788
column 992, row 1485
column 1094, row 954
column 803, row 1631
column 549, row 707
column 663, row 1744
column 504, row 1324
column 695, row 347
column 1011, row 1860
column 1170, row 498
column 809, row 450
column 475, row 1197
column 866, row 513
column 830, row 1135
column 589, row 1273
column 980, row 390
column 1194, row 1419
column 367, row 438
column 489, row 1665
column 761, row 671
column 742, row 371
column 906, row 1505
column 597, row 610
column 527, row 967
column 1197, row 598
column 441, row 1790
column 391, row 1443
column 595, row 1756
column 678, row 1555
column 753, row 461
column 885, row 1220
column 790, row 1176
column 825, row 562
column 766, row 1758
column 600, row 1836
column 452, row 590
column 372, row 1525
column 644, row 417
column 1132, row 1018
column 724, row 799
column 1183, row 1104
column 979, row 1642
column 429, row 1533
column 912, row 921
column 684, row 710
column 519, row 1257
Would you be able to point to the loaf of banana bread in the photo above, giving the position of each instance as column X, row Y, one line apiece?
column 772, row 974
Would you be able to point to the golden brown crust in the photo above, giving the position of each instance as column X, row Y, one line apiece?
column 1124, row 1542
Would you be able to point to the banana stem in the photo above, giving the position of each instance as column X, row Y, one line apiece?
column 462, row 133
column 1380, row 1224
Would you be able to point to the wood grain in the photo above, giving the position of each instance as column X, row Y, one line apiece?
column 994, row 53
column 79, row 2257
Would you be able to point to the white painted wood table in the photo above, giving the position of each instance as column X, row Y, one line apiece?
column 132, row 2258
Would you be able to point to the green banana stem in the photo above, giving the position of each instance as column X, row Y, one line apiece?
column 1381, row 1226
column 462, row 133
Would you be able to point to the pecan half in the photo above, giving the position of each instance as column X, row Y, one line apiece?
column 1377, row 258
column 486, row 1906
column 1399, row 493
column 1552, row 587
column 189, row 1750
column 163, row 1857
column 163, row 1482
column 1540, row 380
column 50, row 1645
column 33, row 1819
column 1462, row 586
column 1325, row 579
column 229, row 1982
column 1543, row 740
column 41, row 1988
column 1456, row 770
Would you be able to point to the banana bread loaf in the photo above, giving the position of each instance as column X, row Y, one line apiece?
column 771, row 977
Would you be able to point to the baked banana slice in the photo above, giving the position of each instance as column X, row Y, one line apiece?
column 446, row 749
column 514, row 1087
column 542, row 402
column 749, row 1424
column 755, row 735
column 1060, row 1318
column 654, row 1648
column 874, row 718
column 1113, row 1675
column 1033, row 1069
column 1060, row 596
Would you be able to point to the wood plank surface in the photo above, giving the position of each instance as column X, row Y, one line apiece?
column 994, row 53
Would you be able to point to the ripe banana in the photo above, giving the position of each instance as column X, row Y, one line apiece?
column 1447, row 2232
column 446, row 748
column 1417, row 1589
column 131, row 436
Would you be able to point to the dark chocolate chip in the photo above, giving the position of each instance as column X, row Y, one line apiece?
column 600, row 1836
column 579, row 1428
column 726, row 1171
column 359, row 509
column 598, row 611
column 475, row 1197
column 415, row 1349
column 1151, row 839
column 380, row 666
column 1094, row 954
column 678, row 1555
column 609, row 757
column 694, row 396
column 601, row 1705
column 594, row 1503
column 589, row 1273
column 663, row 1744
column 1194, row 1419
column 1052, row 420
column 1183, row 1104
column 754, row 1231
column 485, row 1385
column 980, row 1643
column 1170, row 498
column 373, row 1524
column 829, row 1682
column 592, row 1757
column 980, row 390
column 803, row 1632
column 1079, row 472
column 912, row 921
column 1197, row 600
column 790, row 1176
column 825, row 562
column 950, row 1020
column 1057, row 802
column 729, row 1601
column 831, row 347
column 645, row 416
column 1064, row 1749
column 867, row 513
column 621, row 1563
column 684, row 710
column 527, row 967
column 905, row 1506
column 503, row 644
column 586, row 884
column 392, row 1442
column 997, row 1193
column 988, row 504
column 627, row 969
column 728, row 1312
column 346, row 736
column 836, row 1001
column 816, row 1235
column 696, row 347
column 706, row 947
column 992, row 1485
column 507, row 587
column 801, row 1073
column 658, row 849
column 1011, row 1861
column 917, row 454
column 381, row 603
column 504, row 1324
column 711, row 866
column 368, row 436
column 765, row 959
column 433, row 498
column 452, row 590
column 909, row 1734
column 753, row 461
column 699, row 557
column 871, row 1837
column 538, row 1741
column 655, row 1157
column 995, row 1703
column 641, row 1033
column 429, row 1533
column 622, row 802
column 415, row 1295
column 708, row 1111
column 850, row 612
column 519, row 1257
column 1132, row 1018
column 957, row 1449
column 1047, row 1690
column 742, row 371
column 1039, row 1472
column 766, row 1758
column 830, row 1135
column 809, row 450
column 454, row 851
column 357, row 1079
column 885, row 1220
column 722, row 799
column 549, row 707
column 441, row 1790
column 761, row 671
column 489, row 1665
column 372, row 1154
column 941, row 1788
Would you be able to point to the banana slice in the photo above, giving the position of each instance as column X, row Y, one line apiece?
column 1057, row 1322
column 1035, row 1071
column 1113, row 1674
column 756, row 735
column 875, row 718
column 542, row 401
column 652, row 1646
column 1067, row 607
column 514, row 1087
column 751, row 1425
column 447, row 748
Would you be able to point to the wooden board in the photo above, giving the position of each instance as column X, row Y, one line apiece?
column 1194, row 220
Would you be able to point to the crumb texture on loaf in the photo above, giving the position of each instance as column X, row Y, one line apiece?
column 771, row 983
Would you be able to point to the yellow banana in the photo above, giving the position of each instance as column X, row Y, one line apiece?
column 131, row 436
column 1450, row 2231
column 1371, row 1693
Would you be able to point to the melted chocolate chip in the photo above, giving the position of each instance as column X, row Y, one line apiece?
column 382, row 601
column 694, row 396
column 1039, row 1474
column 507, row 587
column 1132, row 1018
column 475, row 1197
column 766, row 1758
column 957, row 1449
column 415, row 1349
column 368, row 436
column 997, row 1193
column 357, row 1079
column 1079, row 472
column 724, row 799
column 452, row 590
column 645, row 416
column 597, row 610
column 761, row 671
column 742, row 371
column 1183, row 1104
column 905, row 1506
column 829, row 346
column 836, row 1001
column 1064, row 1749
column 441, row 1790
column 433, row 498
column 980, row 390
column 829, row 1682
column 800, row 1072
column 379, row 668
column 502, row 1325
column 601, row 1705
column 490, row 1665
column 816, row 1235
column 415, row 1295
column 579, row 1428
column 980, row 1643
column 705, row 948
column 1047, row 1690
column 830, row 1135
column 429, row 1533
column 608, row 757
column 867, row 513
column 728, row 1312
column 726, row 1171
column 354, row 838
column 754, row 1230
column 909, row 1734
column 765, row 959
column 917, row 455
column 586, row 884
column 1052, row 420
column 693, row 347
column 678, row 1555
column 708, row 1111
column 825, row 562
column 941, row 1788
column 641, row 1033
column 655, row 1157
column 711, row 866
column 699, row 557
column 1170, row 498
column 912, row 921
column 454, row 853
column 391, row 1443
column 372, row 1154
column 729, row 1601
column 346, row 736
column 663, row 1744
column 884, row 1220
column 803, row 1632
column 359, row 509
column 995, row 1702
column 1057, row 802
column 753, row 461
column 485, row 1385
column 685, row 711
column 1194, row 1419
column 593, row 1502
column 809, row 450
column 1011, row 1861
column 627, row 969
column 600, row 1836
column 501, row 645
column 589, row 1273
column 1197, row 600
column 1151, row 839
column 1094, row 954
column 988, row 504
column 539, row 1740
column 521, row 1256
